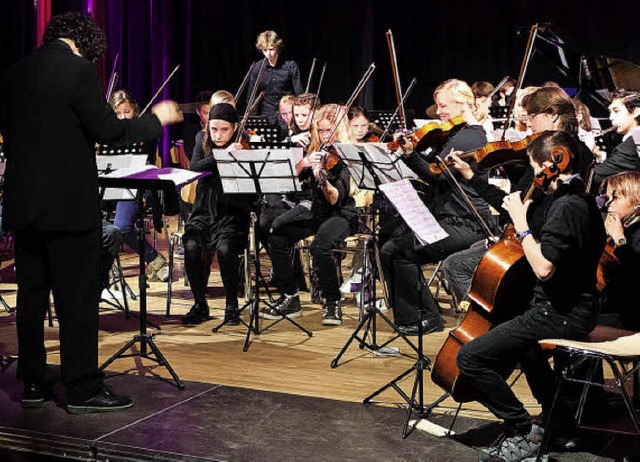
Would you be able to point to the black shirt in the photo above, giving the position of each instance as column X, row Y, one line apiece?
column 572, row 238
column 623, row 158
column 277, row 81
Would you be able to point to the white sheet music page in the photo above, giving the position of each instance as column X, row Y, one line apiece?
column 179, row 176
column 405, row 199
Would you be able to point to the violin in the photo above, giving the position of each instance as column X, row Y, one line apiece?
column 431, row 135
column 609, row 265
column 369, row 138
column 494, row 154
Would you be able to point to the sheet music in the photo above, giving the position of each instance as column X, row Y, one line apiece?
column 275, row 169
column 178, row 176
column 386, row 165
column 406, row 201
column 121, row 163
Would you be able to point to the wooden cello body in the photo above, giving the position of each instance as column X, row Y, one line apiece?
column 502, row 281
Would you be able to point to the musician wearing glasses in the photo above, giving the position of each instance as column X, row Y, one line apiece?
column 548, row 109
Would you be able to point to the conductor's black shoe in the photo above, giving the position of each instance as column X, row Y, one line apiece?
column 196, row 315
column 35, row 395
column 232, row 315
column 103, row 401
column 428, row 326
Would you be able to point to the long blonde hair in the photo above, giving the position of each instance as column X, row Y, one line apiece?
column 331, row 113
column 461, row 92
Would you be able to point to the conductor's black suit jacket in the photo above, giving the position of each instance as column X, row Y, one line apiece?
column 52, row 112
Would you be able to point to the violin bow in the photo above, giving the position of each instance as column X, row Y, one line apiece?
column 523, row 69
column 113, row 78
column 324, row 68
column 164, row 84
column 256, row 85
column 313, row 66
column 345, row 109
column 247, row 114
column 396, row 79
column 395, row 113
column 467, row 201
column 243, row 84
column 498, row 87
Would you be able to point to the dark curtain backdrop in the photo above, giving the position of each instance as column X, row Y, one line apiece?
column 214, row 42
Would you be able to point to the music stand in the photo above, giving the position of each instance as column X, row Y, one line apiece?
column 258, row 171
column 370, row 165
column 152, row 179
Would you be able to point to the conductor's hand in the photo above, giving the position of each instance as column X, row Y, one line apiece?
column 168, row 112
column 454, row 161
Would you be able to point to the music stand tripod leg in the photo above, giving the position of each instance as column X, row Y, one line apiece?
column 422, row 363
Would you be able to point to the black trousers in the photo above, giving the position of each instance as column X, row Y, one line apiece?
column 402, row 259
column 198, row 257
column 65, row 263
column 516, row 341
column 328, row 234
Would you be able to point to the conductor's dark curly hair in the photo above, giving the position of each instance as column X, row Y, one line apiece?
column 86, row 34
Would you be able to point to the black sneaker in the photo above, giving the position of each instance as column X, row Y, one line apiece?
column 331, row 314
column 35, row 395
column 232, row 315
column 511, row 449
column 287, row 305
column 428, row 326
column 103, row 401
column 196, row 315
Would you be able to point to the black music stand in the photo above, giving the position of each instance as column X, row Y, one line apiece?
column 370, row 164
column 258, row 172
column 145, row 179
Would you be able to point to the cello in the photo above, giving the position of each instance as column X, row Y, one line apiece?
column 503, row 279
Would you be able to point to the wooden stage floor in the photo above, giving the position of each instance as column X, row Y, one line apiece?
column 282, row 359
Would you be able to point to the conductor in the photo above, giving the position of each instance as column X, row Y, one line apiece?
column 52, row 205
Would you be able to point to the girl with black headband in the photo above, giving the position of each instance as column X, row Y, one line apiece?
column 218, row 223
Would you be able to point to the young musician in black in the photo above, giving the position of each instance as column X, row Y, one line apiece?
column 332, row 218
column 622, row 223
column 402, row 257
column 624, row 113
column 563, row 255
column 280, row 77
column 219, row 223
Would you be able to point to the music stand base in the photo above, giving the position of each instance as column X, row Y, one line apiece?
column 418, row 407
column 145, row 341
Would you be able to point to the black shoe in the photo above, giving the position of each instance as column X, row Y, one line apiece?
column 287, row 305
column 196, row 315
column 103, row 401
column 428, row 326
column 232, row 315
column 34, row 395
column 331, row 314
